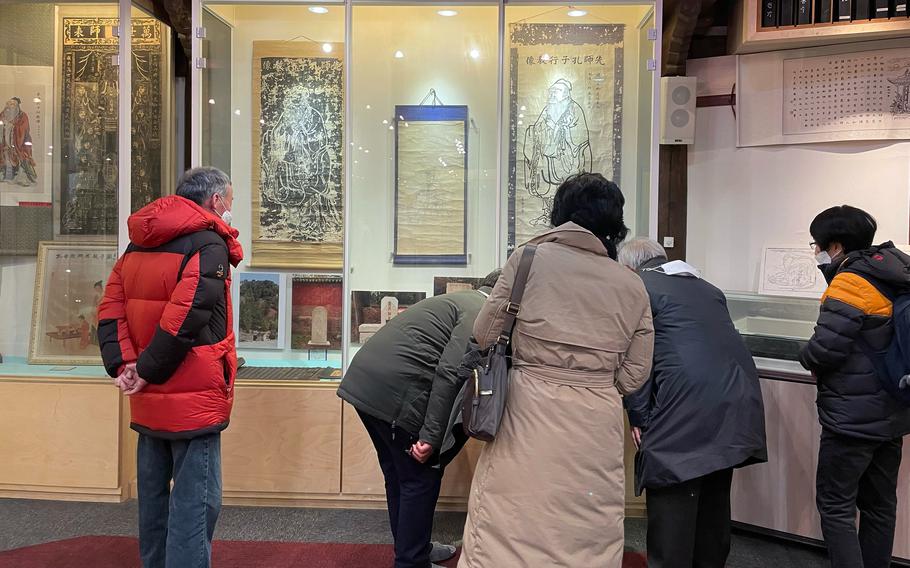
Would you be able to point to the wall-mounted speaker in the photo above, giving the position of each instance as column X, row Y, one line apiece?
column 677, row 110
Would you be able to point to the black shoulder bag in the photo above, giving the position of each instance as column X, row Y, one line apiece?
column 487, row 388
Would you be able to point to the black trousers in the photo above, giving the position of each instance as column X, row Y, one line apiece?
column 857, row 474
column 689, row 523
column 411, row 489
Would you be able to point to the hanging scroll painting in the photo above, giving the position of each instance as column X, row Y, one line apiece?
column 566, row 86
column 298, row 109
column 89, row 122
column 431, row 184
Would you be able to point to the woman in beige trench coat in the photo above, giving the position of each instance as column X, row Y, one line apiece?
column 549, row 490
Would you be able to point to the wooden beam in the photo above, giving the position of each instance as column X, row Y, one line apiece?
column 680, row 22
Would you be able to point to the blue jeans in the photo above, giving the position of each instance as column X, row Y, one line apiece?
column 176, row 526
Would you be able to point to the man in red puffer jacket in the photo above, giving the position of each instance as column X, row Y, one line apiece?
column 166, row 336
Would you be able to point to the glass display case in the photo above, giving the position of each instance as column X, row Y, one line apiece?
column 380, row 153
column 66, row 175
column 773, row 327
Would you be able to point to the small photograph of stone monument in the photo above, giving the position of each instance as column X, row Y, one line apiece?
column 316, row 312
column 448, row 284
column 260, row 318
column 372, row 310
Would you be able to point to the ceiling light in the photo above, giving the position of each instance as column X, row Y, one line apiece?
column 475, row 54
column 237, row 111
column 319, row 10
column 36, row 100
column 545, row 57
column 327, row 47
column 211, row 101
column 447, row 13
column 577, row 13
column 399, row 54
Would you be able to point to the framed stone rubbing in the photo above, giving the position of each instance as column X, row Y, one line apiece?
column 69, row 286
column 89, row 93
column 565, row 114
column 431, row 184
column 865, row 91
column 824, row 94
column 297, row 161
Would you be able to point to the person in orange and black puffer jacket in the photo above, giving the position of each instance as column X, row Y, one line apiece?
column 862, row 423
column 167, row 338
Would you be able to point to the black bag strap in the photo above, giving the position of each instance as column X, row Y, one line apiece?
column 518, row 291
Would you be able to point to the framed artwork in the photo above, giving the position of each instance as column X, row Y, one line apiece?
column 371, row 310
column 89, row 93
column 431, row 184
column 791, row 271
column 565, row 114
column 260, row 323
column 69, row 285
column 448, row 284
column 298, row 148
column 316, row 314
column 26, row 134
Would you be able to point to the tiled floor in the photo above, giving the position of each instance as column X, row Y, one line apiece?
column 33, row 522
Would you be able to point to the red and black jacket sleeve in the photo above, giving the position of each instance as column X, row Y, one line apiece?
column 199, row 289
column 113, row 332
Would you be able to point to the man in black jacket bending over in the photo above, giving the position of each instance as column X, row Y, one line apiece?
column 862, row 424
column 404, row 384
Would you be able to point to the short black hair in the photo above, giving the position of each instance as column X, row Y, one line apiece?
column 98, row 283
column 490, row 279
column 595, row 203
column 850, row 226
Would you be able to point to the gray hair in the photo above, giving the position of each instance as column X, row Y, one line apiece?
column 200, row 184
column 640, row 250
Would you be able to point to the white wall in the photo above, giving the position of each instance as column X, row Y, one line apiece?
column 743, row 199
column 17, row 289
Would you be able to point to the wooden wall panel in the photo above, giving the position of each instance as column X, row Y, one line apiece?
column 58, row 435
column 283, row 440
column 361, row 474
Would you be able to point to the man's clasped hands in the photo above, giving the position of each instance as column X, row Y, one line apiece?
column 129, row 380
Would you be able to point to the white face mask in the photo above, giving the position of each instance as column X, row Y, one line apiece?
column 823, row 258
column 226, row 214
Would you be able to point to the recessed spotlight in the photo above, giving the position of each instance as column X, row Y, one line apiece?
column 237, row 111
column 327, row 47
column 319, row 9
column 447, row 13
column 399, row 54
column 211, row 101
column 578, row 13
column 474, row 53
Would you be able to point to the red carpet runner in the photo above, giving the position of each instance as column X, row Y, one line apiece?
column 123, row 552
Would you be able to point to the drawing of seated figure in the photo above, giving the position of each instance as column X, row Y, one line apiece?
column 796, row 272
column 297, row 167
column 556, row 146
